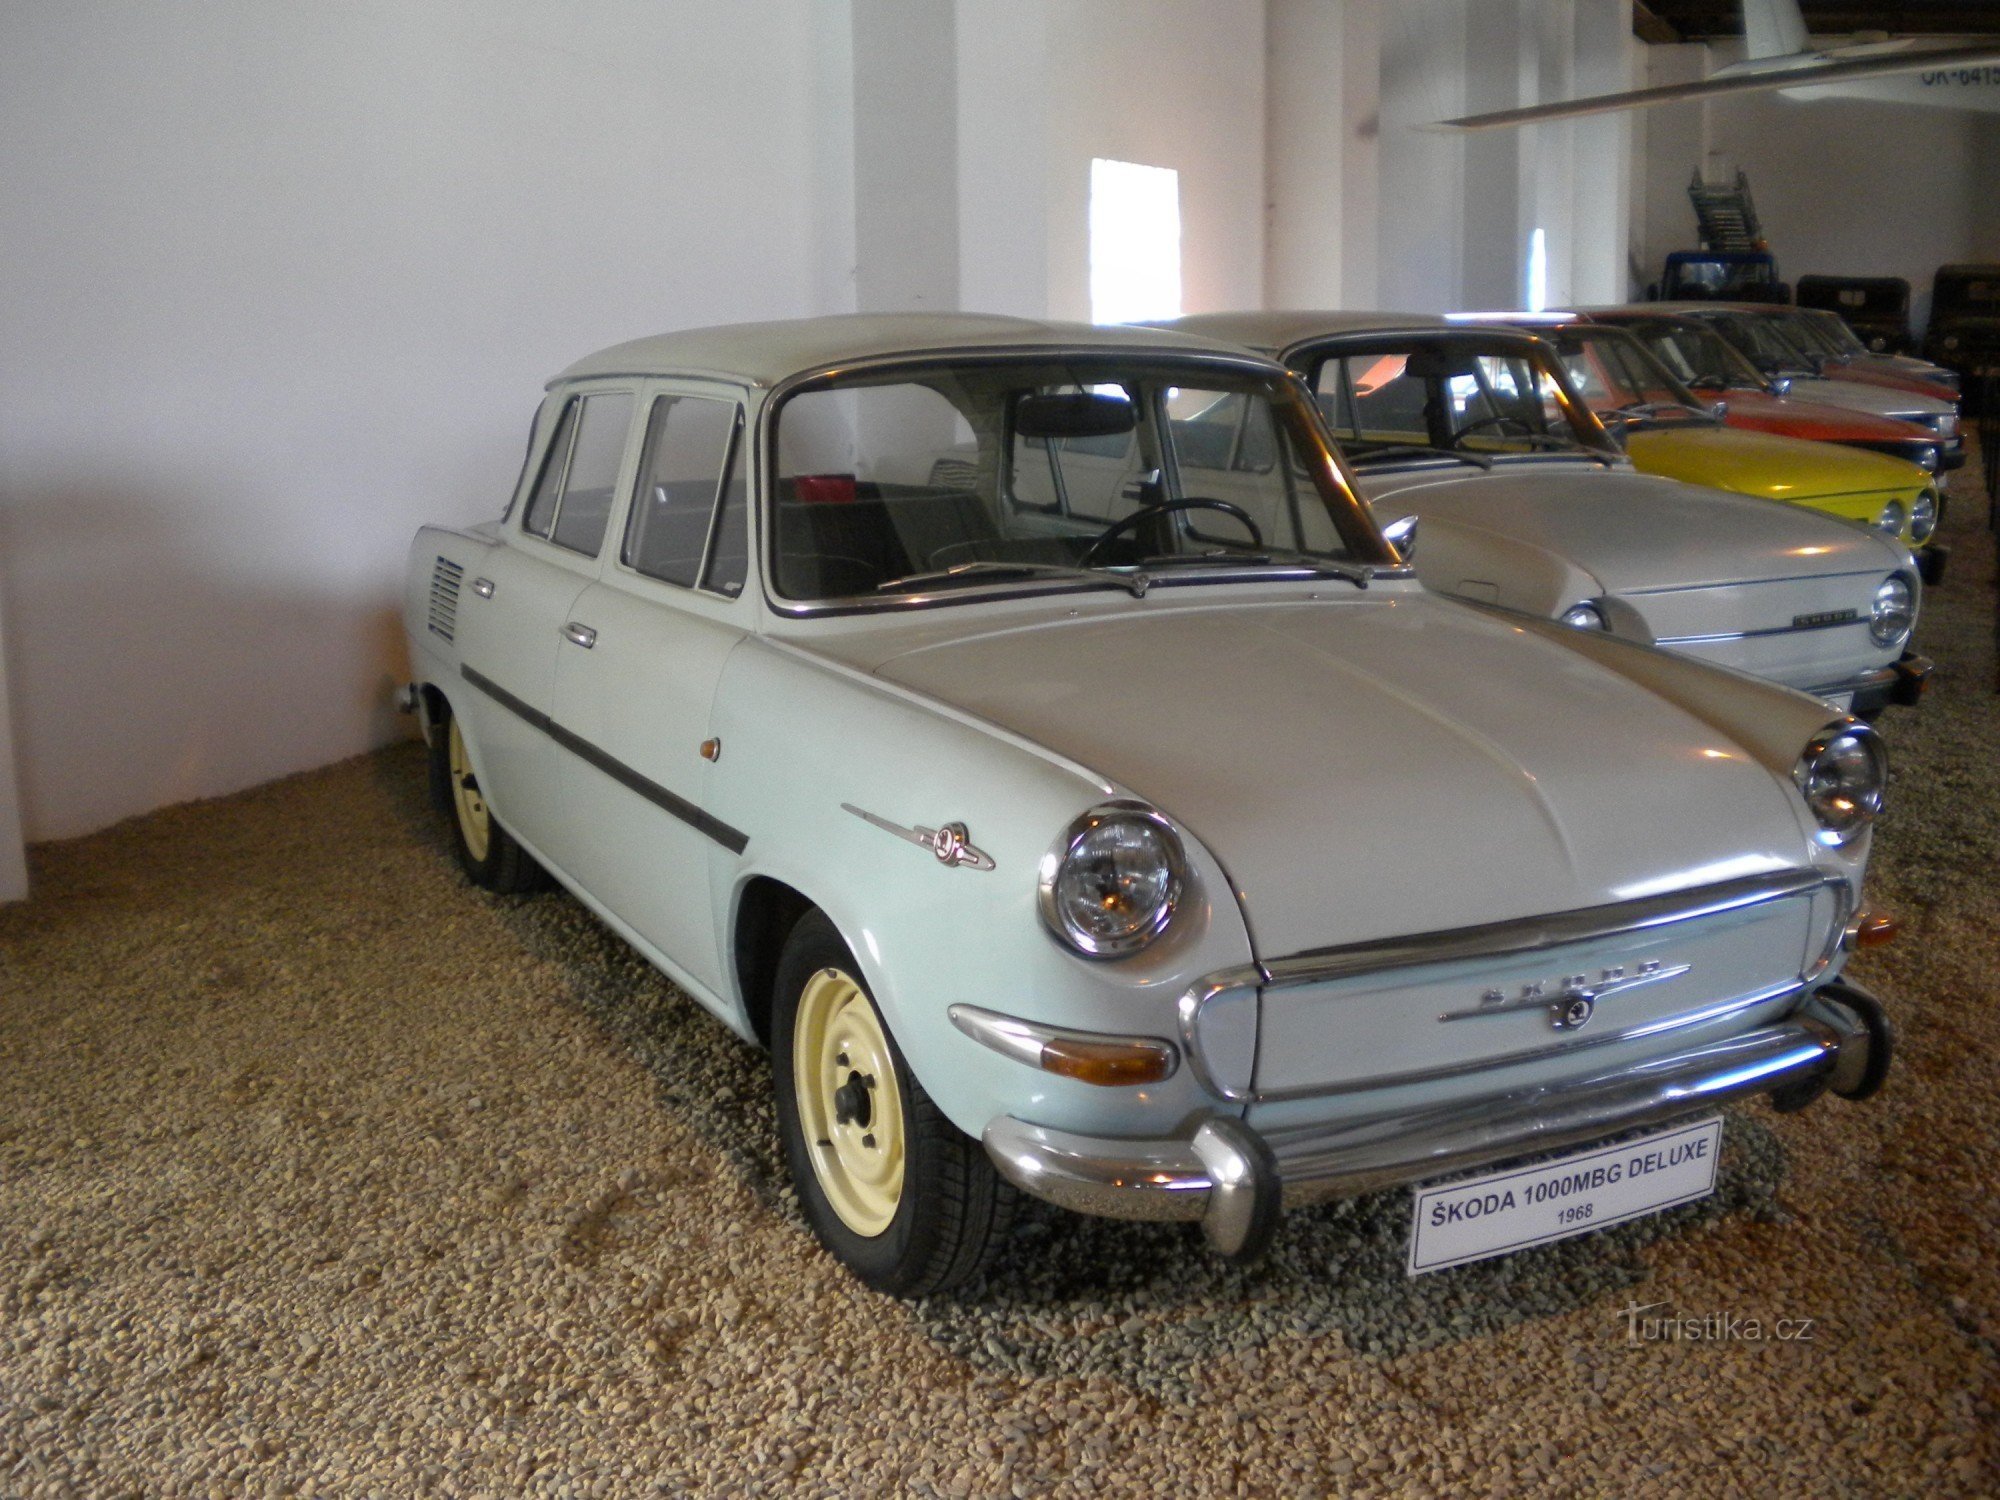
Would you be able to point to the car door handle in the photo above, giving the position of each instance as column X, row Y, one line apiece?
column 483, row 587
column 580, row 635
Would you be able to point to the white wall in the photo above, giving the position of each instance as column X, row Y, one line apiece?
column 283, row 281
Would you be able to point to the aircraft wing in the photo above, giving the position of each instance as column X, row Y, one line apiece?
column 1749, row 78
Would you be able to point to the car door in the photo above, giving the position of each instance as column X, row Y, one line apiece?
column 636, row 682
column 520, row 602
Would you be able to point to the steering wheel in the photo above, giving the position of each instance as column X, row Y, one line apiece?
column 1167, row 507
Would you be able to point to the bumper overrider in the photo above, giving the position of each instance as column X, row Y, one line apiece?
column 1238, row 1182
column 1901, row 682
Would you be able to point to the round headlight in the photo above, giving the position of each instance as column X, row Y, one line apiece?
column 1842, row 775
column 1110, row 884
column 1951, row 341
column 1893, row 611
column 1584, row 616
column 1891, row 519
column 1924, row 516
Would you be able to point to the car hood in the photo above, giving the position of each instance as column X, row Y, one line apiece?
column 1636, row 532
column 1818, row 421
column 1878, row 399
column 1764, row 463
column 1381, row 763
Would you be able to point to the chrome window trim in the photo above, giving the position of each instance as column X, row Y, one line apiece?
column 1510, row 939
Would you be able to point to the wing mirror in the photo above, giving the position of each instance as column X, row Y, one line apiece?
column 1781, row 385
column 1402, row 535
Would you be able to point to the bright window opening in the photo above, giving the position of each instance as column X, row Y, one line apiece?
column 1135, row 242
column 1538, row 272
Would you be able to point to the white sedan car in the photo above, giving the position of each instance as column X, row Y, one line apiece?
column 1501, row 486
column 1070, row 804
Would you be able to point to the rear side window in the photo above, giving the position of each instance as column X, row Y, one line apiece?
column 686, row 468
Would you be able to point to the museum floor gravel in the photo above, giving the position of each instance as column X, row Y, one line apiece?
column 322, row 1173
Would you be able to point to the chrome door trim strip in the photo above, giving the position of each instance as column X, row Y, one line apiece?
column 702, row 822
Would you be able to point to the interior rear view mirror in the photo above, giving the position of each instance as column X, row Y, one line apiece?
column 1073, row 414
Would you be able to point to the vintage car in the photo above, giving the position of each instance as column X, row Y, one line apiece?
column 1764, row 341
column 1671, row 432
column 1145, row 837
column 1876, row 308
column 1745, row 397
column 1476, row 441
column 1964, row 330
column 1841, row 355
column 1732, row 275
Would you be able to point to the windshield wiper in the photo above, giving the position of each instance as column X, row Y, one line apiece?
column 972, row 572
column 1357, row 574
column 1360, row 455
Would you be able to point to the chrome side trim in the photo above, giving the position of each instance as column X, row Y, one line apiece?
column 951, row 844
column 1170, row 1179
column 1537, row 934
column 1023, row 1041
column 1745, row 635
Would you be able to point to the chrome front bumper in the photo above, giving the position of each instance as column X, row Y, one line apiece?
column 1237, row 1182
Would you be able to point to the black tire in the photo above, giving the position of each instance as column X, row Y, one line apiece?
column 952, row 1210
column 503, row 866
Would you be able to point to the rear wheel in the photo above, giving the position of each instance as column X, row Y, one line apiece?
column 899, row 1194
column 486, row 851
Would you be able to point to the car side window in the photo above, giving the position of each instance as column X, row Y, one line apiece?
column 596, row 453
column 686, row 469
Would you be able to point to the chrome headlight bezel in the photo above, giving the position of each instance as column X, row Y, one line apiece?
column 1059, row 866
column 1892, row 613
column 1890, row 521
column 1924, row 514
column 1585, row 614
column 1843, row 803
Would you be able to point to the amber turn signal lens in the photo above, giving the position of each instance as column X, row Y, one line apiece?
column 1872, row 930
column 1110, row 1064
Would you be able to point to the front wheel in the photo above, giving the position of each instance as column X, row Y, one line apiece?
column 899, row 1194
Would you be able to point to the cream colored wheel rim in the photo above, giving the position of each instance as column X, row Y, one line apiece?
column 473, row 823
column 850, row 1106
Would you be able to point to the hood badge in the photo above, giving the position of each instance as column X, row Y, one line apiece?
column 1571, row 1000
column 1824, row 617
column 952, row 844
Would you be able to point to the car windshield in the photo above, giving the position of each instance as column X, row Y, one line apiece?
column 1462, row 395
column 1620, row 379
column 1074, row 472
column 1767, row 344
column 1698, row 356
column 1831, row 329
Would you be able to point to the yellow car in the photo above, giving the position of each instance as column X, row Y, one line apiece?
column 1667, row 431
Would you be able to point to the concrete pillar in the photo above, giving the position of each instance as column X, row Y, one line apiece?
column 1421, row 229
column 1003, row 157
column 1322, row 125
column 1501, row 59
column 13, row 858
column 1601, row 160
column 1676, row 144
column 905, row 70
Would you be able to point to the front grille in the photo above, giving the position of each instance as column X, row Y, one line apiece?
column 445, row 579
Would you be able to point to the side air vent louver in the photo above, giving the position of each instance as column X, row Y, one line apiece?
column 445, row 578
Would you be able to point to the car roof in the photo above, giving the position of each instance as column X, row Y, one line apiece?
column 1282, row 329
column 767, row 353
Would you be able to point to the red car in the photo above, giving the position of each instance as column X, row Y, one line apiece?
column 1710, row 366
